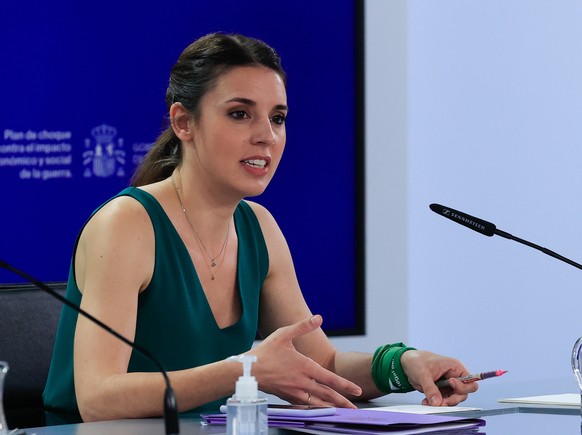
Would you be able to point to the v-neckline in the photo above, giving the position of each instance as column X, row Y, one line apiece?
column 195, row 272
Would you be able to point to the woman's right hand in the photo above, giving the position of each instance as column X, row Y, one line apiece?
column 283, row 371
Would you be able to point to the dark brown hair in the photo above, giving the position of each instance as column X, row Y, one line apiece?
column 195, row 74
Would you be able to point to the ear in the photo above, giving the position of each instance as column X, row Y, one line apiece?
column 181, row 119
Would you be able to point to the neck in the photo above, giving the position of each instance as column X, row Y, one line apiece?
column 209, row 217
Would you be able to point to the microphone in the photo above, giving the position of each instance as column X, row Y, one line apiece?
column 489, row 229
column 171, row 419
column 479, row 225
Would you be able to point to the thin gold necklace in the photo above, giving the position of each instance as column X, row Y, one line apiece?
column 209, row 260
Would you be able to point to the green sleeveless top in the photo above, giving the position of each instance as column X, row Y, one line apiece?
column 174, row 321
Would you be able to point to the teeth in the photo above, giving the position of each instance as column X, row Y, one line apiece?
column 257, row 163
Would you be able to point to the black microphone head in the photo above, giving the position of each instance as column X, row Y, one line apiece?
column 172, row 419
column 479, row 225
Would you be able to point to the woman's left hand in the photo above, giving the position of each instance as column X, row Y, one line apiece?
column 424, row 368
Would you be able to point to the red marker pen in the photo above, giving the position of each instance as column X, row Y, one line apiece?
column 444, row 383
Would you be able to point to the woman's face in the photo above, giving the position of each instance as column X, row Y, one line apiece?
column 239, row 137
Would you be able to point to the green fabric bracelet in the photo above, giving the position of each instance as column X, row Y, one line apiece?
column 387, row 371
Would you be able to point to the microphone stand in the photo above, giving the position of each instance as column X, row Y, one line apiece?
column 489, row 229
column 171, row 419
column 539, row 248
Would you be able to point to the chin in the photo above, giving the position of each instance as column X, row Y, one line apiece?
column 255, row 190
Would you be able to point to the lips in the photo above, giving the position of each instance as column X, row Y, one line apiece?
column 257, row 162
column 257, row 166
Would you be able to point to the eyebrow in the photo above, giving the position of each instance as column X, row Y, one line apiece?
column 250, row 102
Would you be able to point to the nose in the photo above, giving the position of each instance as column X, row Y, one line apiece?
column 262, row 132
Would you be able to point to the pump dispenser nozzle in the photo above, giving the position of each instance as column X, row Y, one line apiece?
column 246, row 386
column 246, row 412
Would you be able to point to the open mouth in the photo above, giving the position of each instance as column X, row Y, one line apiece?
column 255, row 163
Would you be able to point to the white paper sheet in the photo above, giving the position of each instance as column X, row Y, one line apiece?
column 422, row 409
column 567, row 399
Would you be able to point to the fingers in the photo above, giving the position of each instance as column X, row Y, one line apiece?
column 291, row 375
column 422, row 368
column 459, row 392
column 326, row 388
column 452, row 400
column 433, row 394
column 303, row 327
column 335, row 383
column 322, row 395
column 326, row 394
column 456, row 393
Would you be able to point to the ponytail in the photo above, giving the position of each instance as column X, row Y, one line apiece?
column 160, row 161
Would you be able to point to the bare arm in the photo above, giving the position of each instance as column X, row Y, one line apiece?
column 422, row 369
column 114, row 262
column 283, row 304
column 307, row 368
column 356, row 366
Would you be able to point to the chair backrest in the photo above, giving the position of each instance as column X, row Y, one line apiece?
column 28, row 323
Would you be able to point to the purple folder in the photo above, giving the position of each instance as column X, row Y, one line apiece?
column 348, row 420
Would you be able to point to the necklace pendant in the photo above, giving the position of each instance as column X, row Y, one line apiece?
column 212, row 277
column 213, row 263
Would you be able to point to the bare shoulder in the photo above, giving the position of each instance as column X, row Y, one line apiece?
column 274, row 238
column 123, row 212
column 263, row 215
column 118, row 239
column 273, row 235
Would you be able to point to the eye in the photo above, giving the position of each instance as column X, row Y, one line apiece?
column 279, row 119
column 239, row 114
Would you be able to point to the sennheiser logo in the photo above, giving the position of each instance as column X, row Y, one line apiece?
column 452, row 215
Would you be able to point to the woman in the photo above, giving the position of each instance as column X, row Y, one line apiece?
column 185, row 267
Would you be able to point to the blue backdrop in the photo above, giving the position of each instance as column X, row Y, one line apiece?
column 82, row 98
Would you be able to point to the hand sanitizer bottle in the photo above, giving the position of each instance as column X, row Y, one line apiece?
column 246, row 412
